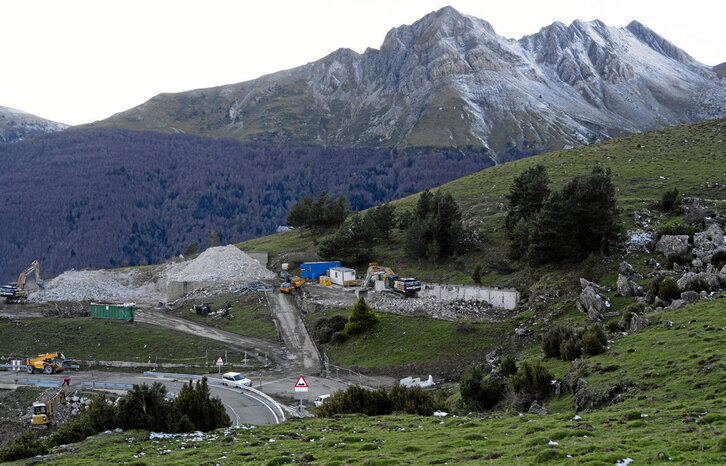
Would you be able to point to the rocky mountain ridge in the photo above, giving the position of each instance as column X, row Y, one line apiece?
column 16, row 125
column 450, row 80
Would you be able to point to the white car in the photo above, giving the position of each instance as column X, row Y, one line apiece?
column 320, row 400
column 235, row 379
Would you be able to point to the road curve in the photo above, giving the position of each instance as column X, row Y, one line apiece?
column 243, row 407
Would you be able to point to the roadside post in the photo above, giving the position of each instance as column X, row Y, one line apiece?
column 220, row 363
column 301, row 386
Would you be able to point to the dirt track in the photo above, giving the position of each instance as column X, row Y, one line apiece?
column 275, row 351
column 295, row 333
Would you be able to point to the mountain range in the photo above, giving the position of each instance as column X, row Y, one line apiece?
column 450, row 80
column 16, row 125
column 440, row 99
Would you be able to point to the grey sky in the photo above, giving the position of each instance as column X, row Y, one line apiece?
column 76, row 61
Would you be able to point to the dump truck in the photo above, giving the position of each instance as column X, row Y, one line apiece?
column 47, row 363
column 43, row 412
column 294, row 285
column 16, row 292
column 391, row 281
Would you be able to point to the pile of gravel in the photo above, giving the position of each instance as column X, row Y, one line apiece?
column 87, row 285
column 223, row 263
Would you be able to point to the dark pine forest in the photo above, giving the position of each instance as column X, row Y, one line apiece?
column 110, row 197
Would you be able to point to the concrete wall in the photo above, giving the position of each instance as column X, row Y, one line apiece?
column 259, row 256
column 498, row 297
column 177, row 289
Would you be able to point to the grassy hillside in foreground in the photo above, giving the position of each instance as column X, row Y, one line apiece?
column 675, row 413
column 691, row 158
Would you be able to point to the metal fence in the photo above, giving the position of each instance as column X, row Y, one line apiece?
column 343, row 374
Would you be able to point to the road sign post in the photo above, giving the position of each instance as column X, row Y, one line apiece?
column 220, row 363
column 301, row 386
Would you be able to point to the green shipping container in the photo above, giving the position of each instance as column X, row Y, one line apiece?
column 113, row 311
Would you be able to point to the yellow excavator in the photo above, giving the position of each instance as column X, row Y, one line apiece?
column 43, row 412
column 16, row 292
column 47, row 363
column 405, row 286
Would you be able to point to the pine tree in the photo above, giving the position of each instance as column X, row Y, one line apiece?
column 361, row 318
column 527, row 196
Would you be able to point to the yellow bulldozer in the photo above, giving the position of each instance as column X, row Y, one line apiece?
column 43, row 412
column 47, row 363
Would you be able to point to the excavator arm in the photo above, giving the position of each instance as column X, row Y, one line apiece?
column 35, row 268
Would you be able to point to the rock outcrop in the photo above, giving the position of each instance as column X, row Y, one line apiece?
column 709, row 242
column 670, row 245
column 591, row 302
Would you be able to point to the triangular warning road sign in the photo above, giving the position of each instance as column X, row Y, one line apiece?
column 301, row 382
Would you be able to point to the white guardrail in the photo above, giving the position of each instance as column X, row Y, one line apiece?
column 218, row 382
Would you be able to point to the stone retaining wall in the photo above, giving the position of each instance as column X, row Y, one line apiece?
column 498, row 297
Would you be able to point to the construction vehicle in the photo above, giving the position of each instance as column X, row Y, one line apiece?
column 377, row 273
column 16, row 292
column 46, row 363
column 43, row 412
column 293, row 285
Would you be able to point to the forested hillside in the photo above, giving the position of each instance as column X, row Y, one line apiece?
column 108, row 197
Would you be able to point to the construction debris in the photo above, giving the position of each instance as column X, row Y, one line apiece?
column 255, row 286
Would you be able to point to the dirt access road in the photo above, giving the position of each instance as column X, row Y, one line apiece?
column 274, row 351
column 294, row 333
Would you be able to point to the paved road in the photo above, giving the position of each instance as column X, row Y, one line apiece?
column 295, row 334
column 243, row 407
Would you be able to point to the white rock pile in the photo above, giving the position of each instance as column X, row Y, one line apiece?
column 87, row 285
column 223, row 263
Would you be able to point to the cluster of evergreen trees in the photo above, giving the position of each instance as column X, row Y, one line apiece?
column 555, row 226
column 319, row 214
column 352, row 241
column 435, row 230
column 144, row 407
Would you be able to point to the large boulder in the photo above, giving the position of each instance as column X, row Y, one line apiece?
column 628, row 271
column 712, row 280
column 626, row 287
column 638, row 323
column 709, row 242
column 690, row 297
column 672, row 244
column 592, row 303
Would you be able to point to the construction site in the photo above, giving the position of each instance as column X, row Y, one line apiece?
column 203, row 298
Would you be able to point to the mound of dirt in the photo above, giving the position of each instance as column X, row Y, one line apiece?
column 223, row 263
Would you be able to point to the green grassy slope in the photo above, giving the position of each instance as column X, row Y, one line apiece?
column 95, row 339
column 691, row 158
column 676, row 413
column 398, row 340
